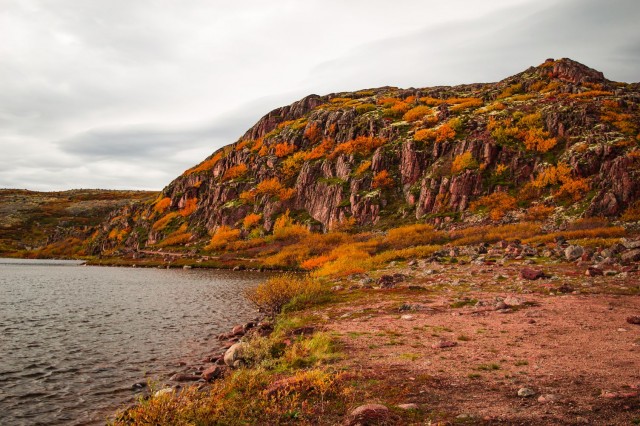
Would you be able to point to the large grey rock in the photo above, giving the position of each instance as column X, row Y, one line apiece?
column 573, row 252
column 234, row 354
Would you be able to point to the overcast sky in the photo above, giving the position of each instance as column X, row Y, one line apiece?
column 128, row 94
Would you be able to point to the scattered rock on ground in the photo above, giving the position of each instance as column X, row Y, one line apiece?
column 634, row 319
column 369, row 414
column 212, row 373
column 444, row 344
column 525, row 392
column 532, row 274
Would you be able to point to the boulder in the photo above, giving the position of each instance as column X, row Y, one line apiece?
column 531, row 274
column 234, row 354
column 594, row 272
column 369, row 414
column 572, row 253
column 212, row 373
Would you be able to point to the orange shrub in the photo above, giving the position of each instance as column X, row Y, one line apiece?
column 445, row 133
column 189, row 207
column 205, row 165
column 573, row 188
column 286, row 194
column 248, row 196
column 223, row 236
column 177, row 237
column 269, row 187
column 362, row 145
column 313, row 132
column 424, row 134
column 251, row 220
column 363, row 167
column 292, row 164
column 539, row 212
column 286, row 228
column 242, row 144
column 498, row 204
column 431, row 101
column 161, row 223
column 283, row 149
column 537, row 139
column 257, row 145
column 320, row 150
column 462, row 162
column 263, row 151
column 632, row 213
column 162, row 205
column 413, row 235
column 234, row 172
column 415, row 114
column 315, row 262
column 464, row 103
column 382, row 180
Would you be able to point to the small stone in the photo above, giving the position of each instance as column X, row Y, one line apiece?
column 238, row 330
column 547, row 398
column 212, row 373
column 635, row 319
column 526, row 392
column 179, row 377
column 409, row 406
column 337, row 288
column 513, row 301
column 369, row 414
column 139, row 385
column 444, row 344
column 531, row 274
column 572, row 253
column 594, row 272
column 163, row 391
column 407, row 317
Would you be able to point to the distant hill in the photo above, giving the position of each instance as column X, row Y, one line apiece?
column 29, row 220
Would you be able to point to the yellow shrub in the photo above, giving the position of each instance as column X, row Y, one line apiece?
column 189, row 207
column 162, row 205
column 417, row 113
column 498, row 204
column 161, row 223
column 234, row 172
column 251, row 220
column 223, row 236
column 413, row 235
column 462, row 162
column 286, row 228
column 273, row 294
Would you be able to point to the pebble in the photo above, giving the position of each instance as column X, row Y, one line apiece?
column 525, row 392
column 409, row 406
column 407, row 317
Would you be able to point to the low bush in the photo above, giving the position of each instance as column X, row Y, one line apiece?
column 272, row 295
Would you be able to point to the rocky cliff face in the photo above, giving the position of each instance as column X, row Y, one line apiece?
column 558, row 135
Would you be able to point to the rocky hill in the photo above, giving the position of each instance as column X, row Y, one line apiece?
column 555, row 142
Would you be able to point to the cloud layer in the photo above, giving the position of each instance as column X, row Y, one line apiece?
column 120, row 94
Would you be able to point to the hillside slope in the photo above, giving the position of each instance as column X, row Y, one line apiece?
column 557, row 141
column 56, row 223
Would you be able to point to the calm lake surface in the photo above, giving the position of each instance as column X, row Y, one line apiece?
column 74, row 339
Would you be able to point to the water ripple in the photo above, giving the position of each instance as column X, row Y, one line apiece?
column 73, row 340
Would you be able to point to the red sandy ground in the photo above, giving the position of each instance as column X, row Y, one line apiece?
column 575, row 351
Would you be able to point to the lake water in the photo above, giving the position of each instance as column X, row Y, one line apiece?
column 74, row 339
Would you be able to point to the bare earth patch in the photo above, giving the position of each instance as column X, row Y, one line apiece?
column 465, row 345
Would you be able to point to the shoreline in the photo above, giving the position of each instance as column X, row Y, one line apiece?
column 483, row 343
